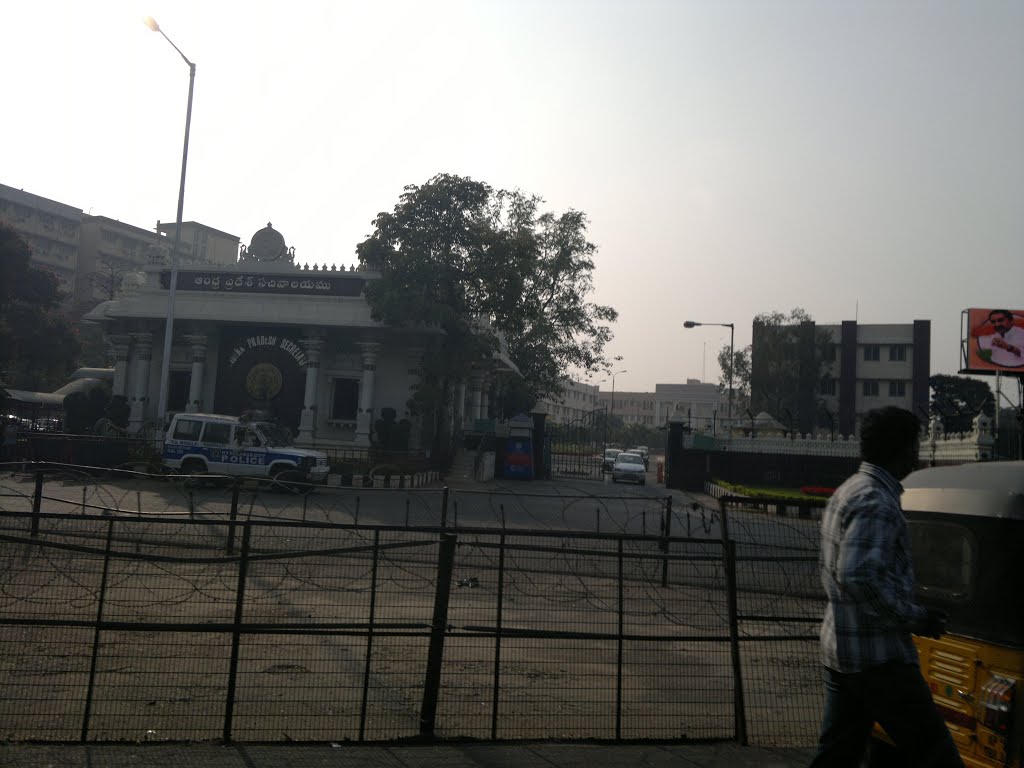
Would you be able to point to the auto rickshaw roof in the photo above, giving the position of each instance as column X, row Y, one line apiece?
column 982, row 489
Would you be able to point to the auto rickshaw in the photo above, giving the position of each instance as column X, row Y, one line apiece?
column 967, row 536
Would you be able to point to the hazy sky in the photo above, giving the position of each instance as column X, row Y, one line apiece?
column 857, row 159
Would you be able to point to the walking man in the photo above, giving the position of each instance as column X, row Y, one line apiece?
column 871, row 664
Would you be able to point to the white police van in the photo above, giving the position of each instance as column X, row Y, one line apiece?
column 201, row 443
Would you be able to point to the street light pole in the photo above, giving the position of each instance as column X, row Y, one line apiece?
column 732, row 356
column 612, row 413
column 165, row 362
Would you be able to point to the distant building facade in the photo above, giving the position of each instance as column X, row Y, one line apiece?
column 844, row 371
column 631, row 407
column 52, row 230
column 91, row 255
column 701, row 406
column 202, row 243
column 577, row 400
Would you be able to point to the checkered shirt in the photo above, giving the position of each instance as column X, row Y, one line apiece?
column 867, row 573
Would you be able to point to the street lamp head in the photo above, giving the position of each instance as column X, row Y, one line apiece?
column 690, row 324
column 150, row 22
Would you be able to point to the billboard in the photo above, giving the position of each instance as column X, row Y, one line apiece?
column 992, row 340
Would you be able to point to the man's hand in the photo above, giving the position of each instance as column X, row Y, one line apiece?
column 1002, row 343
column 932, row 624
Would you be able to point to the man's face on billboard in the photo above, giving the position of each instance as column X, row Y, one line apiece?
column 1001, row 321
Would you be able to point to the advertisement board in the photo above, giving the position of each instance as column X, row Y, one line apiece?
column 992, row 340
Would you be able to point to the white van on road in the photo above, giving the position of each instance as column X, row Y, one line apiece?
column 200, row 443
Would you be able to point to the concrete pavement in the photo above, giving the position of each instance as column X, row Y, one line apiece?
column 469, row 755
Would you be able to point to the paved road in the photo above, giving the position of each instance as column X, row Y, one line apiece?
column 579, row 505
column 528, row 755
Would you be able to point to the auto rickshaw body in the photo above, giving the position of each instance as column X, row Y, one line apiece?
column 967, row 536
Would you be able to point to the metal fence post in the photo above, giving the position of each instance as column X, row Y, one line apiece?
column 369, row 634
column 233, row 516
column 91, row 688
column 496, row 691
column 619, row 648
column 37, row 503
column 444, row 508
column 667, row 528
column 739, row 704
column 438, row 627
column 236, row 634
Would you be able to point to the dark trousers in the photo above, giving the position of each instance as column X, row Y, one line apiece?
column 897, row 697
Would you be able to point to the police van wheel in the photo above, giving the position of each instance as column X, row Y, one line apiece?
column 192, row 467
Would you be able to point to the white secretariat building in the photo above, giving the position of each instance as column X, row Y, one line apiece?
column 266, row 334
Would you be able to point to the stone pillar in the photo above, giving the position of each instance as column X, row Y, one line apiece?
column 141, row 360
column 117, row 347
column 195, row 388
column 414, row 355
column 476, row 392
column 364, row 419
column 307, row 422
column 460, row 406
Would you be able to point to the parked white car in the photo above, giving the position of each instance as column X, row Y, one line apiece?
column 629, row 467
column 644, row 453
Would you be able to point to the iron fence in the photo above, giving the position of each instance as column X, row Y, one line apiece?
column 141, row 609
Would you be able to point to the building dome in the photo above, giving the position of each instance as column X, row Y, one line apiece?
column 268, row 245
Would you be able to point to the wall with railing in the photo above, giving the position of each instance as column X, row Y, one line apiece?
column 937, row 446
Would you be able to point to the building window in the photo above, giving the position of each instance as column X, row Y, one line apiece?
column 897, row 389
column 870, row 389
column 830, row 353
column 872, row 352
column 898, row 353
column 828, row 386
column 345, row 400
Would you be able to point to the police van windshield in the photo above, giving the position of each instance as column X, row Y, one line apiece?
column 275, row 435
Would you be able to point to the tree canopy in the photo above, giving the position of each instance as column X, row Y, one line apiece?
column 37, row 345
column 786, row 366
column 479, row 262
column 957, row 400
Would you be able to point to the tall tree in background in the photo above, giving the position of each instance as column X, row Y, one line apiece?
column 736, row 370
column 108, row 279
column 957, row 400
column 37, row 346
column 787, row 356
column 477, row 262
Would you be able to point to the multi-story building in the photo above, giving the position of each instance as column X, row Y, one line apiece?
column 702, row 406
column 92, row 254
column 577, row 400
column 631, row 407
column 844, row 371
column 202, row 243
column 50, row 228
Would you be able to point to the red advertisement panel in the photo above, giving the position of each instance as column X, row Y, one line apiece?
column 995, row 340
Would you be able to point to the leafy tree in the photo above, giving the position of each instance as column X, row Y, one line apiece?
column 739, row 366
column 481, row 265
column 37, row 345
column 957, row 400
column 786, row 367
column 108, row 278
